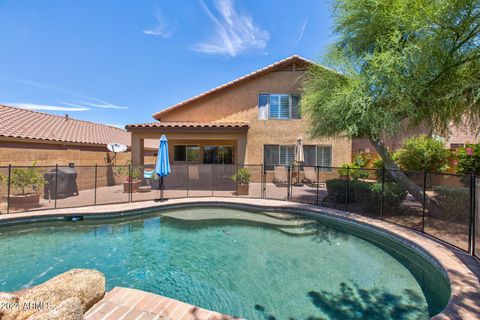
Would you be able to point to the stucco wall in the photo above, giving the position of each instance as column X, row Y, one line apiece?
column 240, row 103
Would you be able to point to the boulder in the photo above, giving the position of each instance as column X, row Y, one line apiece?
column 69, row 309
column 88, row 286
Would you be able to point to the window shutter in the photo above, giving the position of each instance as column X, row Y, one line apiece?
column 274, row 107
column 324, row 156
column 295, row 107
column 263, row 100
column 284, row 106
column 271, row 156
column 309, row 154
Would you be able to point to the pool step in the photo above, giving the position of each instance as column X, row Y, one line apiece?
column 298, row 232
column 125, row 303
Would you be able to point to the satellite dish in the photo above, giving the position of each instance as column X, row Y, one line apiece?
column 116, row 147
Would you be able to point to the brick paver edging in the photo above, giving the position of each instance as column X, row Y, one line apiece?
column 464, row 302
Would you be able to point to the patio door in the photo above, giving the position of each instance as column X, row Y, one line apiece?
column 218, row 155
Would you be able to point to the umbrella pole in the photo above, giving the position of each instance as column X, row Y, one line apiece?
column 161, row 188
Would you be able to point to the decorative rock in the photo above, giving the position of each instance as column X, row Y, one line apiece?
column 69, row 309
column 88, row 286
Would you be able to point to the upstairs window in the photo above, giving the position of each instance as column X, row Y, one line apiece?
column 278, row 106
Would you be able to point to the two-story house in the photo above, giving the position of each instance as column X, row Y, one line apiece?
column 254, row 119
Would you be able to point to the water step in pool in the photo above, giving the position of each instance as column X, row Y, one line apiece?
column 126, row 303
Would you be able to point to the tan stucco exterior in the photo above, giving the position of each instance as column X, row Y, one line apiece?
column 239, row 103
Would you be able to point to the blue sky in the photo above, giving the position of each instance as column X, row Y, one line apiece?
column 118, row 62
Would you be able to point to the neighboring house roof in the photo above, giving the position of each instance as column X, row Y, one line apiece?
column 28, row 124
column 250, row 76
column 189, row 125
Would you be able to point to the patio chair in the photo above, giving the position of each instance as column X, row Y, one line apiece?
column 280, row 179
column 311, row 178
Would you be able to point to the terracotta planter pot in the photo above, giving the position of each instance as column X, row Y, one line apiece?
column 242, row 189
column 24, row 201
column 133, row 185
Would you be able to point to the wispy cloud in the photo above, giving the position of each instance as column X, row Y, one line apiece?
column 163, row 28
column 104, row 105
column 32, row 106
column 83, row 106
column 234, row 32
column 302, row 29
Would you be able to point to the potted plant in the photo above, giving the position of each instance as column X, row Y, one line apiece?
column 22, row 178
column 132, row 181
column 242, row 179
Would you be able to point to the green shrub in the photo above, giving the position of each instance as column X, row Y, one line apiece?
column 422, row 153
column 135, row 174
column 242, row 176
column 454, row 203
column 370, row 194
column 354, row 170
column 337, row 188
column 468, row 159
column 22, row 178
column 393, row 197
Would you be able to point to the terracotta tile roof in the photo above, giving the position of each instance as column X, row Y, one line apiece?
column 247, row 77
column 183, row 124
column 28, row 124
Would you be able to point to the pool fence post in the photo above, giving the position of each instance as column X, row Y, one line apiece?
column 130, row 182
column 8, row 186
column 211, row 169
column 56, row 184
column 188, row 173
column 424, row 204
column 95, row 187
column 288, row 182
column 236, row 181
column 318, row 181
column 263, row 181
column 471, row 229
column 382, row 198
column 347, row 186
column 475, row 212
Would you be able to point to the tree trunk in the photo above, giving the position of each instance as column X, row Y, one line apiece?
column 393, row 169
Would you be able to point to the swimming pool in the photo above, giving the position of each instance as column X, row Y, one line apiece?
column 254, row 265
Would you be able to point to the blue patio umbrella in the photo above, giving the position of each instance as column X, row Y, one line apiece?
column 162, row 167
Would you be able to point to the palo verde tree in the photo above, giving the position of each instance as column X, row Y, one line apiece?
column 397, row 64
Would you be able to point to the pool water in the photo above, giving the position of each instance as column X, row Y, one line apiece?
column 246, row 264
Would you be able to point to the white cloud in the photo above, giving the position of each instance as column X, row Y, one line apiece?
column 234, row 32
column 104, row 105
column 302, row 29
column 96, row 103
column 162, row 28
column 32, row 106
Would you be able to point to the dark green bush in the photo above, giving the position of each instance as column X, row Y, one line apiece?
column 367, row 193
column 393, row 197
column 454, row 203
column 337, row 188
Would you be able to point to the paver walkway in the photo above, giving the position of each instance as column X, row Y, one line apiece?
column 131, row 304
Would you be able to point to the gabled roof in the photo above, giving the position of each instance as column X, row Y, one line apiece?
column 250, row 76
column 183, row 124
column 28, row 124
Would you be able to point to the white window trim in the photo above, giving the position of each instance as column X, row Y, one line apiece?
column 290, row 106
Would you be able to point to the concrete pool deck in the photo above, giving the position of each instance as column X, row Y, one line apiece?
column 462, row 269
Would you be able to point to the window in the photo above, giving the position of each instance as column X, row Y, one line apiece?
column 186, row 153
column 275, row 155
column 457, row 145
column 218, row 155
column 278, row 106
column 318, row 156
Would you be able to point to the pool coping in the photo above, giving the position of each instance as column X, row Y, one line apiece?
column 465, row 288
